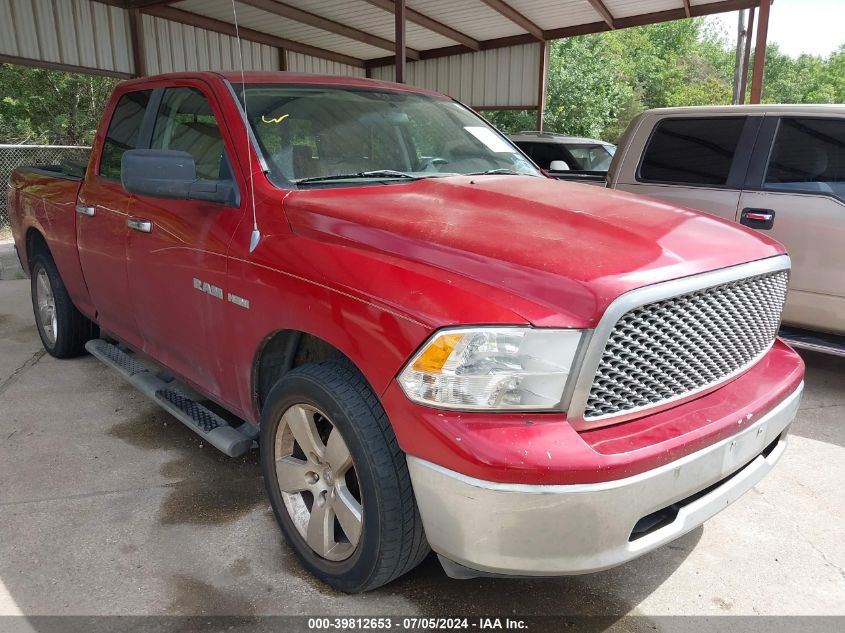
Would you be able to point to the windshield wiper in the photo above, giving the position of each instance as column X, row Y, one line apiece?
column 378, row 173
column 501, row 171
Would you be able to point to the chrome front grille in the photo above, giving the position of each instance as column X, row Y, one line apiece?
column 669, row 349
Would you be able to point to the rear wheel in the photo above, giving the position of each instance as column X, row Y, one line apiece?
column 337, row 480
column 63, row 329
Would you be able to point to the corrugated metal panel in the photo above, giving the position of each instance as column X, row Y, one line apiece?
column 362, row 15
column 299, row 63
column 627, row 8
column 170, row 47
column 72, row 32
column 502, row 77
column 259, row 20
column 472, row 17
column 559, row 14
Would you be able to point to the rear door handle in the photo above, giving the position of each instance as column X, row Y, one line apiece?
column 762, row 219
column 139, row 224
column 82, row 209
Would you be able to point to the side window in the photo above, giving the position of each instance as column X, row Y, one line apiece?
column 544, row 153
column 808, row 156
column 185, row 122
column 692, row 151
column 124, row 128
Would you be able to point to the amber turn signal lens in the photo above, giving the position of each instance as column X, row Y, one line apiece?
column 435, row 355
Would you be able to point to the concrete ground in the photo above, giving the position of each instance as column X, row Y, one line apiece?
column 110, row 506
column 10, row 267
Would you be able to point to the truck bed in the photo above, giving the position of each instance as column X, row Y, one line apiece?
column 48, row 193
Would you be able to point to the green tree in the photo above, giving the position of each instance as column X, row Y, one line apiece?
column 39, row 106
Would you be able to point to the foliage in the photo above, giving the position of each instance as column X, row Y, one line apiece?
column 39, row 106
column 598, row 83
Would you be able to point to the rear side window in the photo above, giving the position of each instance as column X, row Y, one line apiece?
column 808, row 156
column 124, row 128
column 186, row 122
column 692, row 151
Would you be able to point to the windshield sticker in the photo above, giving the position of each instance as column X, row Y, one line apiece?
column 487, row 136
column 264, row 119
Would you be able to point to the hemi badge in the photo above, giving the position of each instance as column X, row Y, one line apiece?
column 239, row 301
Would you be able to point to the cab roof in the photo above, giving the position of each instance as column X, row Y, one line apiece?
column 283, row 77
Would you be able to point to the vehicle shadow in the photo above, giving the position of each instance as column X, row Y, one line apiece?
column 604, row 595
column 820, row 415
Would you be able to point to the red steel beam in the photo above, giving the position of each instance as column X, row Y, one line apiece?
column 760, row 52
column 516, row 17
column 325, row 24
column 430, row 23
column 399, row 22
column 603, row 11
column 136, row 41
column 743, row 83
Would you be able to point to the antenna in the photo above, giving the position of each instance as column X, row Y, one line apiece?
column 255, row 238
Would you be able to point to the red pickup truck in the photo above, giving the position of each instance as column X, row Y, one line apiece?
column 432, row 344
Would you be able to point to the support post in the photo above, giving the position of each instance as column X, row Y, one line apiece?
column 136, row 35
column 543, row 81
column 739, row 63
column 743, row 86
column 399, row 15
column 283, row 59
column 760, row 52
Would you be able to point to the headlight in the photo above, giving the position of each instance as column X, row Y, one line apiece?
column 505, row 368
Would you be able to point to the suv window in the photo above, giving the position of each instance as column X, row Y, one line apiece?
column 544, row 153
column 692, row 151
column 124, row 128
column 186, row 122
column 591, row 157
column 808, row 156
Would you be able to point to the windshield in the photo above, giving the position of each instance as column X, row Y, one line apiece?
column 319, row 135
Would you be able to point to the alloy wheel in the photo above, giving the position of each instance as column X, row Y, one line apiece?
column 319, row 486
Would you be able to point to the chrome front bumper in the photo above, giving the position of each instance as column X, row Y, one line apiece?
column 540, row 530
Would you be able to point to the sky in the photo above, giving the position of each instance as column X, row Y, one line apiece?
column 800, row 26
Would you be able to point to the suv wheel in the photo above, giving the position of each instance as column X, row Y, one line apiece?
column 337, row 480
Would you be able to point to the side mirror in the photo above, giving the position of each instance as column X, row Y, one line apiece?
column 558, row 165
column 171, row 174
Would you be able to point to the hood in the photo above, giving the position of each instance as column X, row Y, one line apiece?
column 556, row 253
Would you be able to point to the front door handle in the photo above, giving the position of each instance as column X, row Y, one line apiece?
column 139, row 224
column 762, row 219
column 82, row 209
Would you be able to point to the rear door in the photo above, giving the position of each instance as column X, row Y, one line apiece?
column 796, row 194
column 177, row 250
column 693, row 161
column 102, row 212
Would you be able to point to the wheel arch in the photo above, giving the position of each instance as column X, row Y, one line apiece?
column 286, row 349
column 34, row 242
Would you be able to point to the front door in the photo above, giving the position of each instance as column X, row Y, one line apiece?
column 102, row 212
column 801, row 197
column 177, row 249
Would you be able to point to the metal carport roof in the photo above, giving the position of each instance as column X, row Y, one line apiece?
column 489, row 53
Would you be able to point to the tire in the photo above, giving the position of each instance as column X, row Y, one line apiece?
column 63, row 329
column 328, row 399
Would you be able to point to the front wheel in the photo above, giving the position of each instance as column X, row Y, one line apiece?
column 63, row 329
column 337, row 479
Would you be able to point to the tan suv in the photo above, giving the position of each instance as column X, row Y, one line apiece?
column 777, row 169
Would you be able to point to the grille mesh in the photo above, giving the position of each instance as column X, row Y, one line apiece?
column 664, row 350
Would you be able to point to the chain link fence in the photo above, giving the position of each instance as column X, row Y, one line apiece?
column 14, row 156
